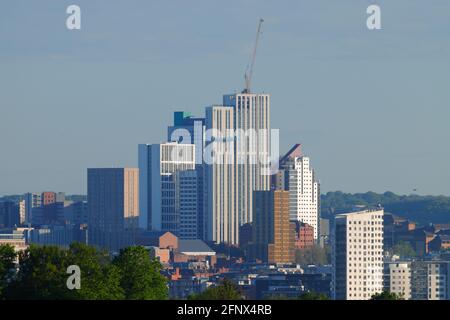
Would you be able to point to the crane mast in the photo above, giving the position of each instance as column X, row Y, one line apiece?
column 249, row 72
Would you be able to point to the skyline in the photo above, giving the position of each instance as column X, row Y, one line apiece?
column 59, row 92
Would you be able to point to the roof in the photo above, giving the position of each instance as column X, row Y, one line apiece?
column 153, row 234
column 295, row 151
column 194, row 247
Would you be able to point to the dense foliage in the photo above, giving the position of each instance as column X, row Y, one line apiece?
column 313, row 255
column 386, row 295
column 313, row 296
column 41, row 273
column 403, row 249
column 422, row 209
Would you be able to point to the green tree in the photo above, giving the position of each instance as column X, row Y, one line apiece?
column 386, row 295
column 227, row 290
column 313, row 255
column 41, row 275
column 140, row 276
column 313, row 296
column 99, row 279
column 7, row 266
column 404, row 249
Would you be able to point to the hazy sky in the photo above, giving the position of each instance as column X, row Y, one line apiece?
column 370, row 107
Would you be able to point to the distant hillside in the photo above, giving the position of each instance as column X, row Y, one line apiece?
column 421, row 209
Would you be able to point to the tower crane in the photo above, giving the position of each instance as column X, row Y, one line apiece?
column 249, row 71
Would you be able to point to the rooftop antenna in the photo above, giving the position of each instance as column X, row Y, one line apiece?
column 249, row 71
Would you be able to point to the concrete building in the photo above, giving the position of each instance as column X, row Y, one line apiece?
column 9, row 214
column 58, row 235
column 430, row 280
column 297, row 176
column 22, row 211
column 357, row 255
column 304, row 235
column 32, row 200
column 157, row 164
column 14, row 238
column 113, row 207
column 221, row 219
column 187, row 129
column 251, row 115
column 189, row 203
column 273, row 233
column 397, row 278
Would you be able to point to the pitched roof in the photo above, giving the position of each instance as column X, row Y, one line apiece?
column 194, row 246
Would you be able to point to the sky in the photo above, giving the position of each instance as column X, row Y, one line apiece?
column 370, row 107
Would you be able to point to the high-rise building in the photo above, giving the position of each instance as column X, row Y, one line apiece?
column 157, row 164
column 22, row 211
column 252, row 148
column 357, row 255
column 113, row 206
column 221, row 219
column 297, row 176
column 273, row 233
column 32, row 200
column 9, row 214
column 188, row 130
column 189, row 203
column 430, row 280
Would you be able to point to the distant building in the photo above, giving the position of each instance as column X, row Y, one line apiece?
column 32, row 200
column 189, row 203
column 297, row 176
column 245, row 234
column 304, row 235
column 157, row 164
column 251, row 112
column 16, row 239
column 221, row 215
column 430, row 280
column 440, row 242
column 22, row 212
column 324, row 232
column 397, row 278
column 113, row 207
column 163, row 243
column 9, row 214
column 79, row 212
column 358, row 255
column 184, row 123
column 58, row 235
column 273, row 233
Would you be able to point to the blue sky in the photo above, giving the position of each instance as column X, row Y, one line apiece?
column 370, row 107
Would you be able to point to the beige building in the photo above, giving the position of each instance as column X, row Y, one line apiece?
column 358, row 255
column 222, row 221
column 113, row 207
column 398, row 278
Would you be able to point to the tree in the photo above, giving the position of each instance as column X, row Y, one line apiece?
column 313, row 255
column 7, row 266
column 140, row 276
column 99, row 279
column 227, row 290
column 313, row 296
column 41, row 275
column 386, row 295
column 404, row 249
